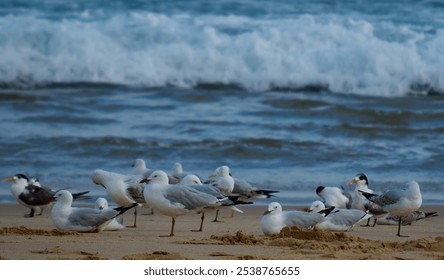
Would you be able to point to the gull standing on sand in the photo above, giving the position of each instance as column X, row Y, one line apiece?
column 124, row 190
column 29, row 193
column 221, row 178
column 362, row 203
column 275, row 219
column 334, row 196
column 175, row 200
column 194, row 182
column 68, row 218
column 338, row 219
column 388, row 219
column 399, row 202
column 116, row 223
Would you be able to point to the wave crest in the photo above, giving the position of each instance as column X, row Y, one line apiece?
column 155, row 50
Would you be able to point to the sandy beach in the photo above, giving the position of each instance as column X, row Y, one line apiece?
column 239, row 237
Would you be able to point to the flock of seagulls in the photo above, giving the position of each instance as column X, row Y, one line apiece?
column 340, row 211
column 180, row 193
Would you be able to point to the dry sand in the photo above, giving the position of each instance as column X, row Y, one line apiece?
column 239, row 237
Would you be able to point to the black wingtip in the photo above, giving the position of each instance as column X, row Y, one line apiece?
column 236, row 201
column 367, row 195
column 327, row 211
column 267, row 193
column 431, row 214
column 123, row 209
column 81, row 195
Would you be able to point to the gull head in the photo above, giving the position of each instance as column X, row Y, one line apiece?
column 221, row 171
column 101, row 203
column 191, row 179
column 317, row 206
column 63, row 196
column 177, row 168
column 98, row 177
column 273, row 209
column 157, row 177
column 17, row 177
column 360, row 180
column 139, row 164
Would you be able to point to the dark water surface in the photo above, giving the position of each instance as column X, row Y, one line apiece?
column 289, row 94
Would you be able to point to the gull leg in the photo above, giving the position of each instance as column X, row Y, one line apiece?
column 173, row 223
column 399, row 228
column 215, row 218
column 374, row 223
column 202, row 217
column 135, row 218
column 368, row 223
column 31, row 214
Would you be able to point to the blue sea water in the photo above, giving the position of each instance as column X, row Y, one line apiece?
column 289, row 94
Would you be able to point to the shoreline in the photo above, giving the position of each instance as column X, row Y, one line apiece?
column 239, row 237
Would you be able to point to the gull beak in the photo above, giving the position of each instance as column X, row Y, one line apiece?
column 10, row 179
column 352, row 181
column 146, row 180
column 212, row 175
column 267, row 212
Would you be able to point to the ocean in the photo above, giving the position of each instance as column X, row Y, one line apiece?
column 290, row 95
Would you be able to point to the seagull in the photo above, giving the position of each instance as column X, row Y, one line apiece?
column 248, row 192
column 124, row 190
column 360, row 202
column 175, row 200
column 194, row 182
column 388, row 219
column 116, row 223
column 275, row 219
column 399, row 202
column 334, row 196
column 68, row 218
column 140, row 169
column 221, row 178
column 338, row 219
column 29, row 193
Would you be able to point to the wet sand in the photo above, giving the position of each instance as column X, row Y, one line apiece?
column 239, row 237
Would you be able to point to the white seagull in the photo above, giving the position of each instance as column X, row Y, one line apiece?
column 175, row 200
column 178, row 174
column 221, row 178
column 116, row 223
column 140, row 169
column 275, row 219
column 29, row 193
column 194, row 182
column 362, row 203
column 334, row 196
column 338, row 219
column 124, row 190
column 399, row 202
column 68, row 218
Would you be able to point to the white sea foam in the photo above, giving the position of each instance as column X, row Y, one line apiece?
column 148, row 49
